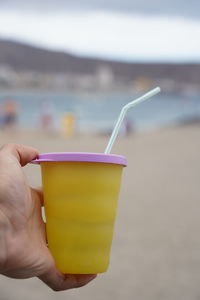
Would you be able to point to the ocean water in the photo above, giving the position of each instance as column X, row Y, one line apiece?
column 100, row 112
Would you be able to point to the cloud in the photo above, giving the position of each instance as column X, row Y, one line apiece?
column 111, row 35
column 171, row 7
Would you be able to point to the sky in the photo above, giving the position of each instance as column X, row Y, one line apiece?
column 129, row 30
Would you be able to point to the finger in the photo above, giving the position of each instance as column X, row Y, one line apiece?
column 60, row 282
column 38, row 194
column 22, row 153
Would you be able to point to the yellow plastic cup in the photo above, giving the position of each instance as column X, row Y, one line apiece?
column 80, row 199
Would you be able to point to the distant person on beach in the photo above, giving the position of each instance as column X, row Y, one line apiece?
column 9, row 114
column 68, row 125
column 47, row 116
column 23, row 247
column 127, row 128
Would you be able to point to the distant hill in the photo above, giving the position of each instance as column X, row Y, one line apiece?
column 22, row 57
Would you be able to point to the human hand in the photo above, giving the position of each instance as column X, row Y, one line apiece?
column 23, row 249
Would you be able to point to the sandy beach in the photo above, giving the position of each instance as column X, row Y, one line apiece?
column 156, row 247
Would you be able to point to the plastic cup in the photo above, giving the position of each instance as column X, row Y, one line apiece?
column 80, row 199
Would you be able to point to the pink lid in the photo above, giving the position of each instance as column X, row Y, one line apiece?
column 81, row 156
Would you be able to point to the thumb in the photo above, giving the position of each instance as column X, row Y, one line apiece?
column 22, row 153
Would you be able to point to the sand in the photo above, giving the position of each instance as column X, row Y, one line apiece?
column 156, row 247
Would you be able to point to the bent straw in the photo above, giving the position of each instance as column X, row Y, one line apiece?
column 123, row 113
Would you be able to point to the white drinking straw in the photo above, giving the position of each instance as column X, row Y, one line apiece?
column 123, row 113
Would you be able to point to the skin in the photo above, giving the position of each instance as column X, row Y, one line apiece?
column 23, row 248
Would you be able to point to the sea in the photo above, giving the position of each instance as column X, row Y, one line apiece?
column 99, row 112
